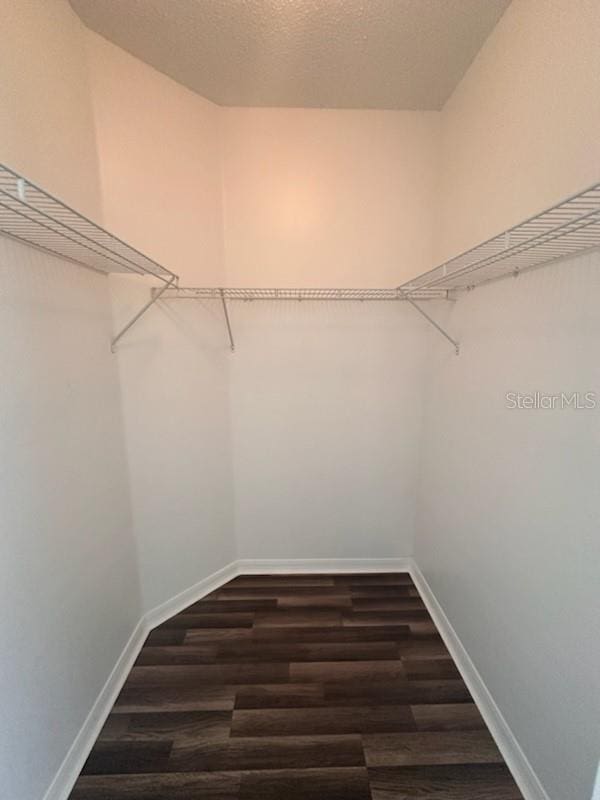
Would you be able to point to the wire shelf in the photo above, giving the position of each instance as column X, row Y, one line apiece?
column 215, row 293
column 566, row 229
column 31, row 215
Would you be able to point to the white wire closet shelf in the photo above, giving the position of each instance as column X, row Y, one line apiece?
column 31, row 215
column 249, row 294
column 567, row 229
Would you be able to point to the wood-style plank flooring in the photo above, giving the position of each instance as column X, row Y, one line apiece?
column 297, row 687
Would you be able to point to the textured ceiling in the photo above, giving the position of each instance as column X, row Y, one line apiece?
column 402, row 54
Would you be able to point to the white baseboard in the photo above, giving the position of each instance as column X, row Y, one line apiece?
column 515, row 758
column 69, row 770
column 258, row 566
column 73, row 762
column 596, row 790
column 190, row 595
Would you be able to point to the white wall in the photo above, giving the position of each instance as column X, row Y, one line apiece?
column 170, row 162
column 174, row 377
column 508, row 513
column 520, row 132
column 160, row 166
column 46, row 118
column 328, row 198
column 326, row 409
column 325, row 398
column 508, row 520
column 159, row 149
column 68, row 578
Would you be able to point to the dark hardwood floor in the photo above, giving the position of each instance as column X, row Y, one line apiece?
column 297, row 687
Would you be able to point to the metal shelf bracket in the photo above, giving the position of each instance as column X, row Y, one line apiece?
column 431, row 321
column 227, row 321
column 155, row 296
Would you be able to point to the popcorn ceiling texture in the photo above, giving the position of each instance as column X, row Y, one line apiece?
column 385, row 54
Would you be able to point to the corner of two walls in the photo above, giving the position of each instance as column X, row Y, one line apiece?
column 303, row 443
column 160, row 166
column 68, row 572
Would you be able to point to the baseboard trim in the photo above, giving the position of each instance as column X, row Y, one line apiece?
column 72, row 764
column 190, row 595
column 77, row 754
column 516, row 760
column 596, row 790
column 258, row 566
